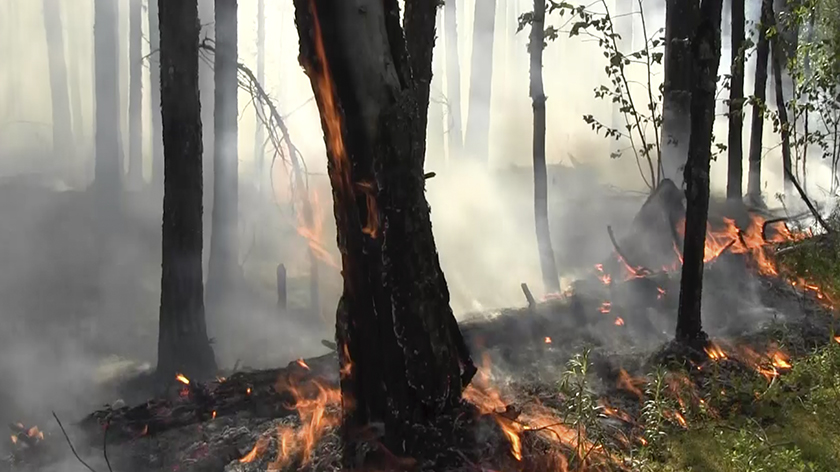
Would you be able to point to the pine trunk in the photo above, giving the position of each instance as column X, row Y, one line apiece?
column 477, row 138
column 62, row 131
column 182, row 343
column 762, row 54
column 551, row 280
column 706, row 58
column 108, row 168
column 735, row 172
column 135, row 94
column 403, row 359
column 453, row 79
column 154, row 79
column 781, row 108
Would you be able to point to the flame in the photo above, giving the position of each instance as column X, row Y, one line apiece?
column 604, row 277
column 347, row 363
column 301, row 363
column 14, row 439
column 547, row 340
column 259, row 448
column 248, row 391
column 714, row 351
column 629, row 384
column 612, row 412
column 214, row 414
column 837, row 339
column 182, row 378
column 619, row 321
column 313, row 231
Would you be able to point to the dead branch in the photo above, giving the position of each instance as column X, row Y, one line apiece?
column 637, row 270
column 807, row 201
column 528, row 295
column 73, row 449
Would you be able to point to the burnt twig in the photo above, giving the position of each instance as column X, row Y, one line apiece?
column 637, row 270
column 807, row 201
column 73, row 449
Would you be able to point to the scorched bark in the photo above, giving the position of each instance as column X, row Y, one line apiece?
column 706, row 56
column 403, row 358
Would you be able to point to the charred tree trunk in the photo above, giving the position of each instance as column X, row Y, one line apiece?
column 224, row 254
column 760, row 92
column 154, row 79
column 135, row 94
column 477, row 138
column 404, row 361
column 781, row 108
column 259, row 136
column 62, row 130
column 706, row 56
column 108, row 168
column 735, row 172
column 453, row 78
column 182, row 339
column 680, row 21
column 551, row 280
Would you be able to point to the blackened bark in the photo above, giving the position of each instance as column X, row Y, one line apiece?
column 548, row 265
column 154, row 79
column 706, row 56
column 182, row 338
column 419, row 26
column 224, row 247
column 735, row 172
column 135, row 94
column 403, row 359
column 259, row 135
column 62, row 131
column 453, row 78
column 680, row 21
column 477, row 137
column 108, row 167
column 781, row 108
column 762, row 56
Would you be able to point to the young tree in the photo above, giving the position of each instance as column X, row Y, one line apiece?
column 705, row 51
column 453, row 77
column 551, row 280
column 182, row 338
column 135, row 93
column 62, row 130
column 781, row 108
column 224, row 247
column 477, row 137
column 403, row 359
column 680, row 21
column 734, row 178
column 108, row 168
column 762, row 53
column 154, row 79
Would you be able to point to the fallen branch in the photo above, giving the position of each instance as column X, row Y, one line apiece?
column 807, row 201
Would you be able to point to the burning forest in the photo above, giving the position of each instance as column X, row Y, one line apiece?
column 658, row 317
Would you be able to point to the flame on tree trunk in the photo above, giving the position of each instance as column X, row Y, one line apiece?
column 706, row 57
column 404, row 362
column 762, row 56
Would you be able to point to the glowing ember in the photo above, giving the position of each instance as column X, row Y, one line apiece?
column 714, row 352
column 630, row 384
column 214, row 414
column 248, row 391
column 547, row 340
column 619, row 321
column 661, row 293
column 837, row 339
column 182, row 378
column 605, row 307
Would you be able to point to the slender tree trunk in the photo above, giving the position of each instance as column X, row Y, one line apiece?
column 760, row 93
column 108, row 168
column 259, row 136
column 706, row 57
column 62, row 131
column 453, row 79
column 76, row 31
column 781, row 107
column 623, row 22
column 135, row 94
column 734, row 179
column 551, row 280
column 680, row 21
column 477, row 138
column 182, row 343
column 403, row 359
column 154, row 79
column 224, row 247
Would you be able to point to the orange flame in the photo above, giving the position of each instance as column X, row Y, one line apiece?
column 301, row 363
column 619, row 321
column 547, row 340
column 628, row 383
column 259, row 448
column 605, row 307
column 714, row 351
column 182, row 378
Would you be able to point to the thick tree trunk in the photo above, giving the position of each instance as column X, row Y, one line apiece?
column 706, row 57
column 154, row 79
column 182, row 339
column 762, row 55
column 135, row 94
column 477, row 138
column 453, row 79
column 781, row 108
column 259, row 135
column 404, row 361
column 551, row 280
column 735, row 172
column 680, row 21
column 108, row 168
column 62, row 130
column 224, row 247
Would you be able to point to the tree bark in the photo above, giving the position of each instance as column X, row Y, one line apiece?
column 224, row 247
column 680, row 22
column 477, row 138
column 182, row 339
column 135, row 94
column 760, row 92
column 453, row 79
column 706, row 58
column 108, row 167
column 735, row 172
column 62, row 130
column 259, row 135
column 403, row 359
column 551, row 280
column 154, row 79
column 781, row 107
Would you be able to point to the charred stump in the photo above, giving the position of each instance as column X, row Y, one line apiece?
column 403, row 360
column 706, row 55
